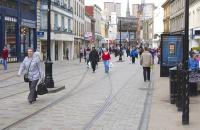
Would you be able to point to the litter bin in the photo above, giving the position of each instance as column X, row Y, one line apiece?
column 173, row 84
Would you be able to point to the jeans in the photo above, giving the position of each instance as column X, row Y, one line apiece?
column 5, row 64
column 146, row 73
column 106, row 65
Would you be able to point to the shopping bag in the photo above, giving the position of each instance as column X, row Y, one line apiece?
column 111, row 65
column 42, row 88
column 89, row 65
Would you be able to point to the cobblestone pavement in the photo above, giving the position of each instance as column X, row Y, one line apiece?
column 91, row 101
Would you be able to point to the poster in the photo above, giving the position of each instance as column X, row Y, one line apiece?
column 171, row 50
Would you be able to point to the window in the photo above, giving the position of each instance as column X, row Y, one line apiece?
column 9, row 4
column 55, row 21
column 43, row 20
column 10, row 37
column 69, row 24
column 63, row 23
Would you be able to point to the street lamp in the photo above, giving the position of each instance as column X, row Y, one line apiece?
column 120, row 53
column 48, row 63
column 185, row 92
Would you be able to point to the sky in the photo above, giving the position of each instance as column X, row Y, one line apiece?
column 124, row 3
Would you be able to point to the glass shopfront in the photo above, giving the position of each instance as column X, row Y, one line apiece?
column 10, row 35
column 27, row 39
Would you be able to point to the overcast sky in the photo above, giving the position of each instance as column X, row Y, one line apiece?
column 124, row 3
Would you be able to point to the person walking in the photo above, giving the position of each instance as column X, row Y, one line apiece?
column 106, row 60
column 87, row 56
column 146, row 61
column 128, row 51
column 34, row 72
column 93, row 58
column 67, row 53
column 81, row 53
column 133, row 54
column 5, row 57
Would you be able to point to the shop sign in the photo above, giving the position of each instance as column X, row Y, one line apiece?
column 11, row 19
column 40, row 34
column 28, row 23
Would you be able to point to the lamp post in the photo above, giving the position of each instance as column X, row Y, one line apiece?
column 48, row 63
column 120, row 53
column 185, row 87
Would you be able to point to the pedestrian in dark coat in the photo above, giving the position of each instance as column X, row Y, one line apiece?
column 128, row 52
column 67, row 53
column 93, row 57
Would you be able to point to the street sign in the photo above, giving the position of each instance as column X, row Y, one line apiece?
column 40, row 34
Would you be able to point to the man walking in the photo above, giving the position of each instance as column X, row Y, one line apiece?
column 146, row 61
column 93, row 57
column 67, row 53
column 81, row 53
column 5, row 57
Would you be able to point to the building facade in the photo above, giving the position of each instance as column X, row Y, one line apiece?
column 194, row 23
column 110, row 7
column 62, row 37
column 78, row 22
column 17, row 27
column 135, row 9
column 89, row 36
column 95, row 12
column 177, row 16
column 148, row 23
column 166, row 19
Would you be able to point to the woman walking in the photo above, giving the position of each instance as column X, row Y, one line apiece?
column 106, row 59
column 33, row 69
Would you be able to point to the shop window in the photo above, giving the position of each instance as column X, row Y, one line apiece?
column 8, row 4
column 27, row 39
column 10, row 37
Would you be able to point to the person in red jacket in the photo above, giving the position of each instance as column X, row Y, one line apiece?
column 5, row 57
column 106, row 59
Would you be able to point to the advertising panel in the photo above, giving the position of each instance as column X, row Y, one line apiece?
column 171, row 52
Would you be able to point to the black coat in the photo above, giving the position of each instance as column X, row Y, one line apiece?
column 94, row 56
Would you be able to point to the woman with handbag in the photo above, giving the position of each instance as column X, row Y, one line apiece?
column 33, row 73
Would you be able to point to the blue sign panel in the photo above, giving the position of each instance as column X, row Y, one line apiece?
column 40, row 34
column 172, row 50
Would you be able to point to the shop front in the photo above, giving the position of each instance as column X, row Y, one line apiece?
column 17, row 28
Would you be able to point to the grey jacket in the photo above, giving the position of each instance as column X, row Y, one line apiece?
column 146, row 59
column 35, row 70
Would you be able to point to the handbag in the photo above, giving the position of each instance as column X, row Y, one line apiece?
column 26, row 79
column 42, row 88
